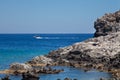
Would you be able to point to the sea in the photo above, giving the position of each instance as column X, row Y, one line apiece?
column 23, row 47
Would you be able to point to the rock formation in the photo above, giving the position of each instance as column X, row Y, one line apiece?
column 107, row 24
column 30, row 76
column 20, row 66
column 94, row 48
column 100, row 53
column 40, row 60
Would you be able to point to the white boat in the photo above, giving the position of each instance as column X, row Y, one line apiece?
column 37, row 37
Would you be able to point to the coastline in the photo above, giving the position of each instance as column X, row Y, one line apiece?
column 67, row 56
column 101, row 53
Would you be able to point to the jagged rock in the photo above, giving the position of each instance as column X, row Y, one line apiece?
column 41, row 60
column 104, row 49
column 60, row 51
column 20, row 66
column 115, row 61
column 102, row 53
column 107, row 24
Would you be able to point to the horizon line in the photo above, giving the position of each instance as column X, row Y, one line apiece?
column 46, row 33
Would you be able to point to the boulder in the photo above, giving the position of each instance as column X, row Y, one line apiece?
column 67, row 79
column 20, row 66
column 41, row 60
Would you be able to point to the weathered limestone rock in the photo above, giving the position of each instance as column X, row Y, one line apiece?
column 20, row 66
column 104, row 50
column 41, row 60
column 107, row 24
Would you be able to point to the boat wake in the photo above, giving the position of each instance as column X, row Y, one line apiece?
column 56, row 37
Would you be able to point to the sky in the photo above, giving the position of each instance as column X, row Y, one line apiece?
column 53, row 16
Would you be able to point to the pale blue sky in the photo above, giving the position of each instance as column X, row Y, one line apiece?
column 53, row 16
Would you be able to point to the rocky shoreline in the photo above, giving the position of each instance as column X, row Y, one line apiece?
column 101, row 52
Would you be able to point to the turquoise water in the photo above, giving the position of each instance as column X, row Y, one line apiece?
column 23, row 47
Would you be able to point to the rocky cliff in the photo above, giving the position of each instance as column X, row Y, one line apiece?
column 97, row 49
column 100, row 53
column 107, row 24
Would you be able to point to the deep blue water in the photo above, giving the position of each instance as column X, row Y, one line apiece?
column 23, row 47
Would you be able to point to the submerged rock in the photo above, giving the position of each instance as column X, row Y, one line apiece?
column 107, row 24
column 48, row 70
column 5, row 78
column 67, row 79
